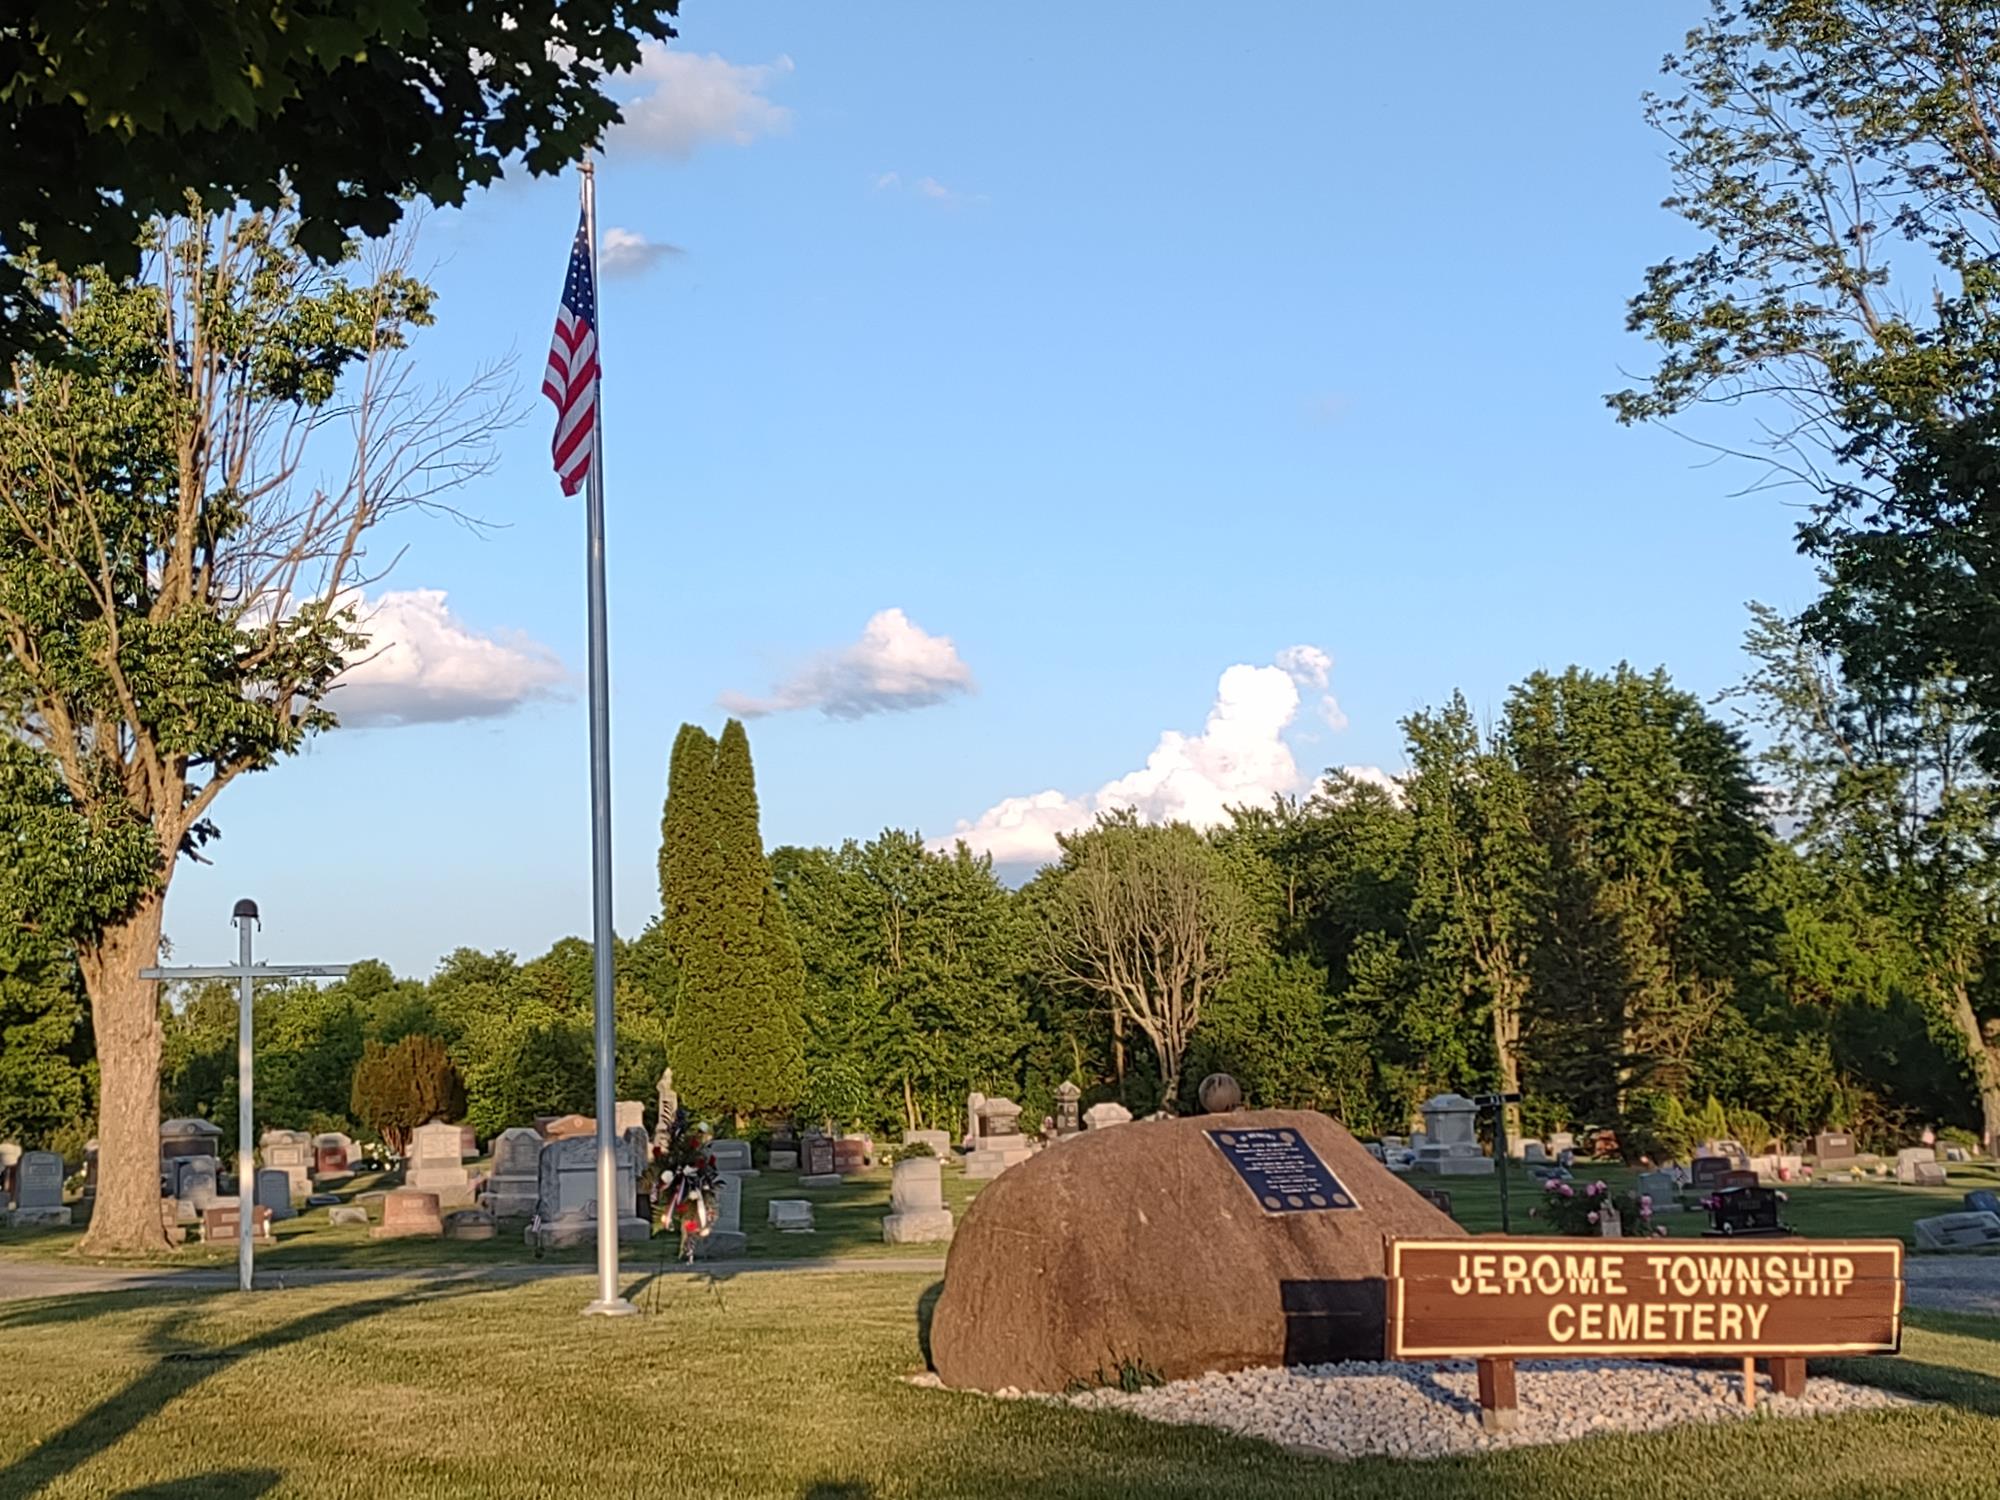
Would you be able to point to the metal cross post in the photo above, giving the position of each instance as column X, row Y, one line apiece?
column 247, row 973
column 1498, row 1104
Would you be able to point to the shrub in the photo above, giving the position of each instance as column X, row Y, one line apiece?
column 398, row 1088
column 1954, row 1135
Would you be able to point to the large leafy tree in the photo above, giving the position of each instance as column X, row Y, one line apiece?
column 1839, row 159
column 110, row 113
column 1650, row 845
column 185, row 505
column 913, row 962
column 1477, row 869
column 737, row 1041
column 1888, row 803
column 1149, row 921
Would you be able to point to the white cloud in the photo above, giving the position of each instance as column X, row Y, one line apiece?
column 424, row 666
column 926, row 187
column 1239, row 758
column 692, row 98
column 626, row 252
column 895, row 665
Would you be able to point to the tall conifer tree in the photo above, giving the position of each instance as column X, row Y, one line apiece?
column 738, row 1033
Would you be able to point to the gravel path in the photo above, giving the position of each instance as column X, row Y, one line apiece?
column 1432, row 1410
column 20, row 1280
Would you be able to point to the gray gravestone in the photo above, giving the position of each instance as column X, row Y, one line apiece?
column 1662, row 1187
column 437, row 1167
column 917, row 1214
column 290, row 1151
column 732, row 1156
column 725, row 1239
column 792, row 1215
column 1101, row 1116
column 196, row 1185
column 567, row 1209
column 1972, row 1231
column 274, row 1191
column 515, row 1186
column 38, row 1189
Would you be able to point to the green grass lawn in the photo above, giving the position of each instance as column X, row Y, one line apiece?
column 784, row 1384
column 848, row 1222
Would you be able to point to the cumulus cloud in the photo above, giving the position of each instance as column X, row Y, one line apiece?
column 425, row 666
column 692, row 98
column 896, row 664
column 626, row 252
column 1239, row 757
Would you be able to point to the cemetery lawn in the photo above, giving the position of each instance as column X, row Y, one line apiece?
column 783, row 1384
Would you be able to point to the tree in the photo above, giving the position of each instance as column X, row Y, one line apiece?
column 177, row 595
column 738, row 1043
column 1840, row 159
column 347, row 109
column 1650, row 843
column 1477, row 870
column 397, row 1088
column 1887, row 798
column 913, row 975
column 1148, row 919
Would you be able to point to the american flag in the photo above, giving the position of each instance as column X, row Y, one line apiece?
column 571, row 381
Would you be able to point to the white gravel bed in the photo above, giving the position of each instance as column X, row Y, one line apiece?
column 1432, row 1410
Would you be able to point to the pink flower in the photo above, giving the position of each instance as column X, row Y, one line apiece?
column 1645, row 1200
column 1597, row 1187
column 1551, row 1186
column 1568, row 1191
column 1593, row 1218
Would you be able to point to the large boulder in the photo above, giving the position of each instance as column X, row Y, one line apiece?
column 1145, row 1247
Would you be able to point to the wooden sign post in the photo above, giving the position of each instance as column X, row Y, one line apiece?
column 1498, row 1300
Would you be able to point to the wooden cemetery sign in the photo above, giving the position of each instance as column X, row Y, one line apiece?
column 1499, row 1300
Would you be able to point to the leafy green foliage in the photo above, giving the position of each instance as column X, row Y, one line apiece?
column 348, row 108
column 399, row 1087
column 1838, row 159
column 738, row 1043
column 913, row 979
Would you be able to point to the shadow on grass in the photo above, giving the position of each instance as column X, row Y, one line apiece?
column 181, row 1366
column 229, row 1484
column 927, row 1310
column 838, row 1489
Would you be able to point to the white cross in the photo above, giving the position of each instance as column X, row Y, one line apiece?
column 248, row 973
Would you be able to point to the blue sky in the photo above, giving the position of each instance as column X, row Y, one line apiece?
column 1115, row 348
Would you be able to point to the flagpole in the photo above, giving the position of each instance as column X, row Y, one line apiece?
column 609, row 1210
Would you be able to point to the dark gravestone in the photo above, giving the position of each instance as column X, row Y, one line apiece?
column 818, row 1156
column 1737, row 1177
column 1437, row 1198
column 1832, row 1146
column 1982, row 1201
column 1706, row 1172
column 849, row 1156
column 1745, row 1212
column 1281, row 1170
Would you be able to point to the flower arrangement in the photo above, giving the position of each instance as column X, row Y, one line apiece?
column 679, row 1179
column 1570, row 1211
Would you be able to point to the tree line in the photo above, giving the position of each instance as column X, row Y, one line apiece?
column 1603, row 900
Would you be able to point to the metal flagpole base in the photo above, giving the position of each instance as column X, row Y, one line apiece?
column 617, row 1307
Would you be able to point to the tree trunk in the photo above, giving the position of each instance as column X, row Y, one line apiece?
column 1506, row 1051
column 125, row 1016
column 1118, row 1047
column 1985, row 1066
column 909, row 1104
